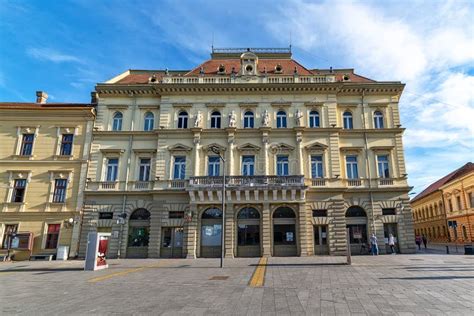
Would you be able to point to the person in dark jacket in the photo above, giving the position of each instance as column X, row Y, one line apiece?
column 425, row 241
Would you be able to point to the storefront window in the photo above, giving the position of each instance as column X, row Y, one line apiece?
column 138, row 236
column 357, row 233
column 211, row 235
column 248, row 235
column 284, row 234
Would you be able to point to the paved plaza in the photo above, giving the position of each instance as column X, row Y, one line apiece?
column 419, row 284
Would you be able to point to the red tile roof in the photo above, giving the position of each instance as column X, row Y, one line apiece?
column 469, row 167
column 33, row 105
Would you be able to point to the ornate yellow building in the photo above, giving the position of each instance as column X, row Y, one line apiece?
column 446, row 200
column 44, row 153
column 308, row 154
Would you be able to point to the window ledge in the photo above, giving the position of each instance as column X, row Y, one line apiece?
column 23, row 157
column 63, row 157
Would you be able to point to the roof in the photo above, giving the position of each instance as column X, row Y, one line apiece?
column 467, row 168
column 33, row 105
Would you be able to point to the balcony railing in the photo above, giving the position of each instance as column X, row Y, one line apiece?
column 176, row 184
column 354, row 182
column 385, row 181
column 140, row 185
column 227, row 79
column 247, row 181
column 318, row 182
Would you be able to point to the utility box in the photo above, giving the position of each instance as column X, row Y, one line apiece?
column 62, row 253
column 97, row 245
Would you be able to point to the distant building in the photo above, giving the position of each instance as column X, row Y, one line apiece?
column 44, row 153
column 448, row 201
column 309, row 153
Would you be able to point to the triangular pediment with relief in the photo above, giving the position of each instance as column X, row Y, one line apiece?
column 316, row 147
column 282, row 147
column 248, row 147
column 220, row 148
column 179, row 147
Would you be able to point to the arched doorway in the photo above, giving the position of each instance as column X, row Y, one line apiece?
column 284, row 232
column 356, row 221
column 211, row 233
column 248, row 233
column 138, row 234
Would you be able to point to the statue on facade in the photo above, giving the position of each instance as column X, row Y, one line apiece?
column 265, row 118
column 298, row 117
column 232, row 119
column 198, row 119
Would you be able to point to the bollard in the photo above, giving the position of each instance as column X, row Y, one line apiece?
column 447, row 250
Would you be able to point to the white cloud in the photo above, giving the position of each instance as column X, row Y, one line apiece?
column 48, row 54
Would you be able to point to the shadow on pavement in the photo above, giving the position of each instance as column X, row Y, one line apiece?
column 431, row 278
column 300, row 264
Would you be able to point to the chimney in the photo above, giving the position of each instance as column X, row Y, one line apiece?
column 41, row 97
column 94, row 97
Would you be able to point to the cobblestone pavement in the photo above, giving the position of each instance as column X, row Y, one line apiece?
column 383, row 285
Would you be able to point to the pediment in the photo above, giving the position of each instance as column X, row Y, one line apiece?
column 281, row 147
column 316, row 147
column 179, row 147
column 248, row 147
column 215, row 145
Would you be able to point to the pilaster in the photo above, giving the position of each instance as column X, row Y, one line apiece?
column 304, row 231
column 190, row 234
column 229, row 231
column 266, row 232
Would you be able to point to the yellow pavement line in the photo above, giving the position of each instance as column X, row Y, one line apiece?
column 124, row 272
column 258, row 277
column 5, row 273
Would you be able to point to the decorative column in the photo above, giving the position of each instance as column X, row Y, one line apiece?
column 230, row 151
column 229, row 231
column 190, row 232
column 299, row 150
column 266, row 230
column 265, row 142
column 197, row 148
column 303, row 230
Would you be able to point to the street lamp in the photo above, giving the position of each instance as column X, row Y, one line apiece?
column 216, row 150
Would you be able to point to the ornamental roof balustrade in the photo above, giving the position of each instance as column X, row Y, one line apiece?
column 248, row 79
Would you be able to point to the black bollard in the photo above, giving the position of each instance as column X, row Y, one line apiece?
column 447, row 250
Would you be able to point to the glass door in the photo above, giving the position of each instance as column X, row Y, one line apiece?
column 172, row 242
column 321, row 240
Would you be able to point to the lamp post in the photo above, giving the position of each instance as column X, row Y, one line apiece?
column 217, row 151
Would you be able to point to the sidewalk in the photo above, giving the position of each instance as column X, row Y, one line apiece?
column 441, row 249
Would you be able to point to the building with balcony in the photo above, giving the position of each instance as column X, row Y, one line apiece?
column 444, row 210
column 44, row 153
column 310, row 154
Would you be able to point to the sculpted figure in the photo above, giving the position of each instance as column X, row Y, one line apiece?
column 266, row 118
column 198, row 120
column 298, row 117
column 232, row 119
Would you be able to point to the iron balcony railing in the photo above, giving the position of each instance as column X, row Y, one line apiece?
column 248, row 181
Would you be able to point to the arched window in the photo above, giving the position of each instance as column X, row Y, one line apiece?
column 347, row 120
column 117, row 122
column 183, row 119
column 248, row 213
column 378, row 119
column 149, row 121
column 248, row 119
column 216, row 119
column 313, row 119
column 212, row 213
column 140, row 214
column 355, row 211
column 281, row 119
column 284, row 212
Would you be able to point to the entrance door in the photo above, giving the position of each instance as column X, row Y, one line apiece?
column 172, row 242
column 248, row 233
column 284, row 232
column 390, row 228
column 211, row 233
column 321, row 240
column 138, row 234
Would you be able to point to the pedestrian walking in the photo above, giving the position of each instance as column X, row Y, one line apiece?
column 373, row 245
column 425, row 241
column 391, row 243
column 418, row 241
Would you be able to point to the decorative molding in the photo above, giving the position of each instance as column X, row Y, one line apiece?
column 182, row 105
column 179, row 147
column 248, row 147
column 316, row 146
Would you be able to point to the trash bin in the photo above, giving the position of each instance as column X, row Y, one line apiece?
column 62, row 253
column 468, row 250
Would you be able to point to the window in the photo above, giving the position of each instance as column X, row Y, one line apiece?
column 27, row 144
column 320, row 213
column 19, row 188
column 52, row 236
column 389, row 211
column 179, row 168
column 213, row 166
column 281, row 119
column 450, row 205
column 183, row 119
column 317, row 166
column 471, row 199
column 149, row 121
column 458, row 201
column 176, row 214
column 106, row 215
column 248, row 165
column 282, row 166
column 66, row 145
column 117, row 122
column 60, row 186
column 9, row 229
column 112, row 169
column 248, row 119
column 383, row 168
column 351, row 166
column 313, row 119
column 378, row 119
column 144, row 172
column 216, row 119
column 347, row 120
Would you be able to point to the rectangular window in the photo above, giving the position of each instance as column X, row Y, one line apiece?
column 9, row 229
column 282, row 166
column 317, row 167
column 106, row 215
column 213, row 166
column 458, row 200
column 179, row 168
column 382, row 161
column 450, row 205
column 27, row 144
column 144, row 172
column 351, row 166
column 52, row 236
column 60, row 186
column 388, row 211
column 112, row 169
column 248, row 165
column 19, row 188
column 66, row 144
column 320, row 213
column 175, row 214
column 471, row 199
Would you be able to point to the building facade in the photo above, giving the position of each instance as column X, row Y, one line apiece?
column 43, row 157
column 309, row 155
column 448, row 200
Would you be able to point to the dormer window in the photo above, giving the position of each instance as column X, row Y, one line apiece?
column 249, row 68
column 278, row 69
column 221, row 69
column 248, row 64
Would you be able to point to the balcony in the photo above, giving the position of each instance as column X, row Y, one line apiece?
column 140, row 185
column 260, row 79
column 385, row 181
column 316, row 182
column 248, row 182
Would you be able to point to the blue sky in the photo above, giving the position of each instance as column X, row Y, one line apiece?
column 65, row 47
